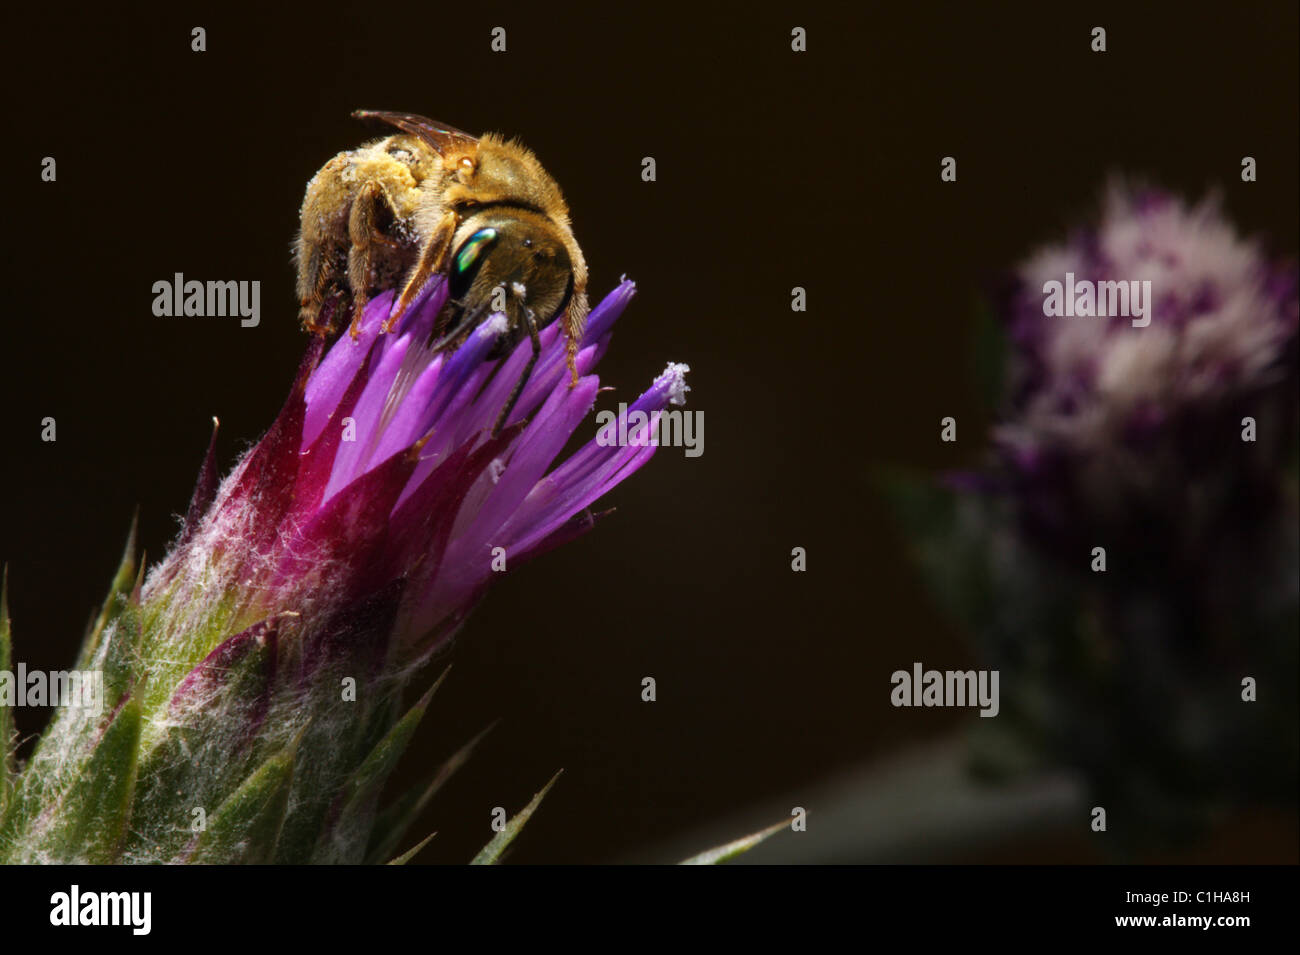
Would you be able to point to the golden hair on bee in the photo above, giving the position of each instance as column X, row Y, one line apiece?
column 428, row 200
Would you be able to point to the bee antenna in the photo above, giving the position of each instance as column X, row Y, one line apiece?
column 466, row 320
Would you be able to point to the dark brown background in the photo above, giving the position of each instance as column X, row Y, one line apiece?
column 775, row 169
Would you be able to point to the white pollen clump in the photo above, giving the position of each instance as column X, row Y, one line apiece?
column 678, row 387
column 496, row 468
column 496, row 325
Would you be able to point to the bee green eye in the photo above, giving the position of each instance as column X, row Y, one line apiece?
column 470, row 254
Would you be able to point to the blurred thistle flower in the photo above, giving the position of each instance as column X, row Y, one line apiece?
column 1128, row 433
column 1172, row 447
column 254, row 680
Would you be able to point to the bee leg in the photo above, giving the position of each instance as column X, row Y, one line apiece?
column 442, row 320
column 364, row 234
column 432, row 258
column 333, row 303
column 322, row 277
column 575, row 321
column 528, row 370
column 571, row 359
column 309, row 315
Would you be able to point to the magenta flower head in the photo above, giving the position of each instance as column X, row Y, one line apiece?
column 1127, row 553
column 254, row 680
column 1174, row 335
column 380, row 475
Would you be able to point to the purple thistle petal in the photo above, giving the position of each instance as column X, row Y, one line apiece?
column 317, row 464
column 463, row 367
column 339, row 367
column 607, row 312
column 570, row 530
column 590, row 473
column 339, row 546
column 352, row 457
column 667, row 389
column 426, row 514
column 508, row 371
column 544, row 438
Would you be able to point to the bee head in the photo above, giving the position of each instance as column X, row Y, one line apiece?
column 519, row 253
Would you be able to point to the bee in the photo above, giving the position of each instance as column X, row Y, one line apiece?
column 431, row 199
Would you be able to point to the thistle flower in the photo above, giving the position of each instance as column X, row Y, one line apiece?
column 1114, row 430
column 254, row 679
column 1128, row 555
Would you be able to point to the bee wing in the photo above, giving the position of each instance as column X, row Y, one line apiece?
column 441, row 136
